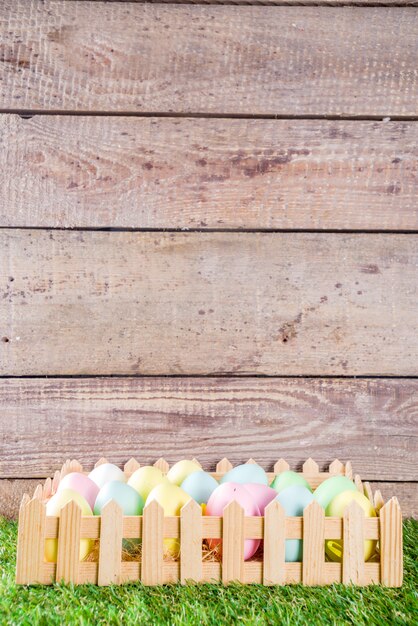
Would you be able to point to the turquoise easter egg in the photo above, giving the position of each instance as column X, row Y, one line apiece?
column 199, row 485
column 246, row 473
column 331, row 487
column 125, row 496
column 294, row 499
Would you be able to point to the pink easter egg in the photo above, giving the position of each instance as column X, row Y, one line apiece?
column 261, row 494
column 220, row 498
column 82, row 484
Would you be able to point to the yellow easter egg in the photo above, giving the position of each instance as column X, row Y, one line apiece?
column 53, row 508
column 145, row 478
column 171, row 498
column 181, row 470
column 336, row 508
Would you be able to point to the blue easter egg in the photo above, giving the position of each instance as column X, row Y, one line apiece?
column 294, row 499
column 246, row 473
column 199, row 485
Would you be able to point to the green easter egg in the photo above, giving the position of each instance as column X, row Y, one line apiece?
column 289, row 479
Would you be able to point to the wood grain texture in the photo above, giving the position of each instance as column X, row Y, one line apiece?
column 46, row 421
column 224, row 59
column 207, row 173
column 208, row 303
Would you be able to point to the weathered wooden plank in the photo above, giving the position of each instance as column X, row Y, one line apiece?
column 278, row 2
column 224, row 59
column 45, row 421
column 208, row 303
column 207, row 173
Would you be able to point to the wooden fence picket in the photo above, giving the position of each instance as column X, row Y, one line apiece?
column 313, row 544
column 130, row 467
column 110, row 548
column 336, row 467
column 190, row 542
column 233, row 543
column 391, row 559
column 69, row 531
column 162, row 465
column 274, row 544
column 30, row 542
column 353, row 545
column 223, row 466
column 281, row 466
column 152, row 545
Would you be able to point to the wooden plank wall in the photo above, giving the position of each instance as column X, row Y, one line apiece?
column 209, row 236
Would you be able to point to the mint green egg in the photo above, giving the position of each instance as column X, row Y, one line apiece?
column 331, row 487
column 289, row 479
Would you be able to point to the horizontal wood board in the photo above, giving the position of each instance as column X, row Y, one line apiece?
column 371, row 423
column 208, row 173
column 208, row 303
column 340, row 61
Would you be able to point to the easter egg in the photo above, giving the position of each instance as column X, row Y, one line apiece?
column 246, row 473
column 144, row 479
column 181, row 470
column 294, row 499
column 336, row 508
column 261, row 495
column 53, row 508
column 220, row 498
column 125, row 496
column 82, row 484
column 332, row 487
column 289, row 479
column 171, row 498
column 106, row 473
column 199, row 485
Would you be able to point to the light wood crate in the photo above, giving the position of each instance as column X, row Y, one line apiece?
column 191, row 527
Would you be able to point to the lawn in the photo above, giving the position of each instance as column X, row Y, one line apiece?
column 207, row 604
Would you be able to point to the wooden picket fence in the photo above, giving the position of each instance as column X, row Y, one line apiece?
column 191, row 528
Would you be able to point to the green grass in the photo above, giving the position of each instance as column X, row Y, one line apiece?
column 207, row 604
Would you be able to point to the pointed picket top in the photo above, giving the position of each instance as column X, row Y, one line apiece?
column 65, row 469
column 358, row 483
column 378, row 500
column 111, row 508
column 75, row 466
column 349, row 470
column 310, row 467
column 368, row 491
column 281, row 466
column 35, row 507
column 101, row 461
column 251, row 462
column 314, row 507
column 131, row 466
column 197, row 462
column 47, row 489
column 336, row 467
column 55, row 482
column 191, row 505
column 275, row 505
column 162, row 465
column 39, row 492
column 154, row 507
column 233, row 507
column 391, row 505
column 223, row 466
column 71, row 507
column 24, row 501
